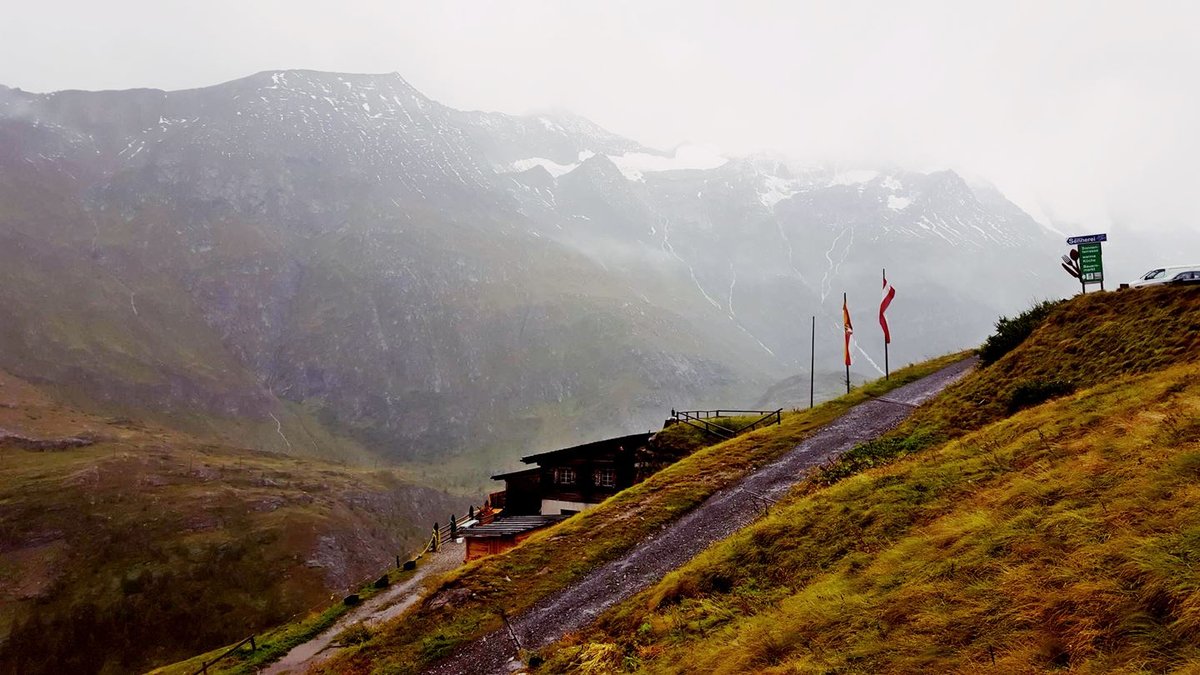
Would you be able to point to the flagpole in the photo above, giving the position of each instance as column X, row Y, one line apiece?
column 812, row 363
column 887, row 371
column 847, row 339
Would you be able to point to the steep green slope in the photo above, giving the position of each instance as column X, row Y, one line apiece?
column 124, row 545
column 1084, row 342
column 1061, row 535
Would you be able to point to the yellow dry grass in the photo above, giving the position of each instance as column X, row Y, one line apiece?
column 554, row 558
column 1065, row 536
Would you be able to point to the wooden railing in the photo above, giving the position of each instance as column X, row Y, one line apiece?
column 449, row 532
column 204, row 665
column 702, row 419
column 768, row 418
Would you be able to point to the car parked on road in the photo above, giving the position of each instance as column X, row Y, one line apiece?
column 1164, row 275
column 1186, row 279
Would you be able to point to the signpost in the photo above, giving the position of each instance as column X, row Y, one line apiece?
column 1086, row 261
column 1087, row 239
column 1091, row 264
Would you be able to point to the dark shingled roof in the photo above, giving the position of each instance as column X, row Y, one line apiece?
column 510, row 474
column 503, row 527
column 632, row 440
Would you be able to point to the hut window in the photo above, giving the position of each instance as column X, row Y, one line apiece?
column 605, row 477
column 564, row 475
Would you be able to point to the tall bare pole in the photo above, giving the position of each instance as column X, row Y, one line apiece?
column 812, row 362
column 1082, row 283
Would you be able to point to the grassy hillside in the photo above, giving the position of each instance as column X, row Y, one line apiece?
column 552, row 559
column 114, row 534
column 1087, row 341
column 988, row 535
column 671, row 444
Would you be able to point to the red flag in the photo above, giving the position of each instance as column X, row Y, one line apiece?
column 849, row 329
column 889, row 292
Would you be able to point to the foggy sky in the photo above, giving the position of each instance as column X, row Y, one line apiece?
column 1084, row 113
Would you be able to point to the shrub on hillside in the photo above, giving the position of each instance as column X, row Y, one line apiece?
column 872, row 453
column 355, row 634
column 1034, row 392
column 1012, row 332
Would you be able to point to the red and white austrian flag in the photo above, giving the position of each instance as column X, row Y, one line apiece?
column 889, row 292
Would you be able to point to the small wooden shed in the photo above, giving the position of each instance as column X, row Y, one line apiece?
column 502, row 534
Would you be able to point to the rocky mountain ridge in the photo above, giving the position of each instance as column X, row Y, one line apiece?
column 300, row 248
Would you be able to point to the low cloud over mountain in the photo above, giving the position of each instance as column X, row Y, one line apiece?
column 303, row 245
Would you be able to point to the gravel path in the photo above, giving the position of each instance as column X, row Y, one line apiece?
column 379, row 608
column 718, row 517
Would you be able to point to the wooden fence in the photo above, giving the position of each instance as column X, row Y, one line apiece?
column 204, row 665
column 703, row 419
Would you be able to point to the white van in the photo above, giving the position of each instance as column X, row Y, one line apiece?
column 1162, row 275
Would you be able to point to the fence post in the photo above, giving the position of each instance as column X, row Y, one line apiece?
column 437, row 537
column 253, row 647
column 453, row 528
column 471, row 512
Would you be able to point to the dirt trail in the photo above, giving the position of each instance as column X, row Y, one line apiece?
column 377, row 609
column 717, row 518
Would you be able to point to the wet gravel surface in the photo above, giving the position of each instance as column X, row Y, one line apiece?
column 718, row 517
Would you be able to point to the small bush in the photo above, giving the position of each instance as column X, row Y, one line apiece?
column 872, row 453
column 1034, row 392
column 1012, row 332
column 766, row 645
column 600, row 658
column 355, row 634
column 1176, row 428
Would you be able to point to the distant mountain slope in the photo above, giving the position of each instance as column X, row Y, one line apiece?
column 124, row 545
column 433, row 281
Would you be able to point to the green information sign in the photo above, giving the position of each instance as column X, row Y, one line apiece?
column 1091, row 263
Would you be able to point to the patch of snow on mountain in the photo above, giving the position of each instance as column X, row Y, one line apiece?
column 898, row 203
column 891, row 183
column 854, row 177
column 775, row 190
column 699, row 157
column 633, row 164
column 549, row 165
